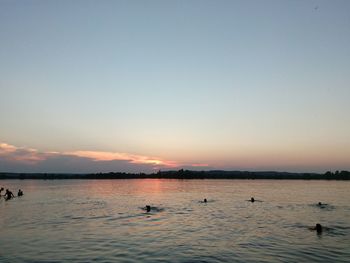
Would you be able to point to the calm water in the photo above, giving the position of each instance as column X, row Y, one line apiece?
column 102, row 221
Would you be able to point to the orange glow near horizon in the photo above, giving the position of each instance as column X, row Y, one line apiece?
column 199, row 165
column 242, row 159
column 132, row 158
column 32, row 156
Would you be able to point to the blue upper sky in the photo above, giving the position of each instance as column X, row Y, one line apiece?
column 218, row 84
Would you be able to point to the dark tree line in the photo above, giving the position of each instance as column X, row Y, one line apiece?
column 186, row 174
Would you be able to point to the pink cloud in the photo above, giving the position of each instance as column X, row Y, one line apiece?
column 15, row 157
column 132, row 158
column 21, row 154
column 32, row 156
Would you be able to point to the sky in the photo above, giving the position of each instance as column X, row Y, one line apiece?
column 138, row 86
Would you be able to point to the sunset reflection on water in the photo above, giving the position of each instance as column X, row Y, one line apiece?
column 82, row 220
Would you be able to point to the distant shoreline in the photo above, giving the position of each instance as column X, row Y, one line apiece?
column 183, row 174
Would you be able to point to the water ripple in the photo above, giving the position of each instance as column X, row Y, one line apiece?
column 53, row 223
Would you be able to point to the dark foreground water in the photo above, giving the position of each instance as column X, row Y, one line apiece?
column 103, row 221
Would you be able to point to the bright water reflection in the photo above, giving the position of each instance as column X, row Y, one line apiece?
column 102, row 221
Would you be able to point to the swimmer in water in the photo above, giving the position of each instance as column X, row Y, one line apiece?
column 321, row 205
column 20, row 192
column 205, row 200
column 252, row 200
column 148, row 208
column 8, row 195
column 319, row 228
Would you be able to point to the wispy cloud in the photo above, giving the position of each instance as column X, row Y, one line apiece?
column 13, row 158
column 22, row 154
column 132, row 158
column 30, row 156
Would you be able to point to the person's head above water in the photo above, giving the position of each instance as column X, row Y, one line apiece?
column 148, row 208
column 252, row 199
column 319, row 203
column 318, row 228
column 205, row 200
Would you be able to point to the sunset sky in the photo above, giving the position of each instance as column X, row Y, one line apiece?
column 137, row 86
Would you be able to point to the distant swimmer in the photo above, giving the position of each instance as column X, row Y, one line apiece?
column 8, row 195
column 319, row 228
column 205, row 200
column 1, row 189
column 322, row 205
column 252, row 200
column 154, row 209
column 20, row 192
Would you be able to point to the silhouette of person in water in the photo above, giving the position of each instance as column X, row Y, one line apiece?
column 8, row 195
column 148, row 208
column 319, row 228
column 20, row 192
column 205, row 200
column 252, row 200
column 321, row 205
column 1, row 189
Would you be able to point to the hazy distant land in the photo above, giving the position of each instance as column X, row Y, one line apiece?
column 185, row 174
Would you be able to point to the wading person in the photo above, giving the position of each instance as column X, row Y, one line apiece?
column 8, row 195
column 20, row 192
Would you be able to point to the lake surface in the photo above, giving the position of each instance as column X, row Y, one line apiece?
column 103, row 221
